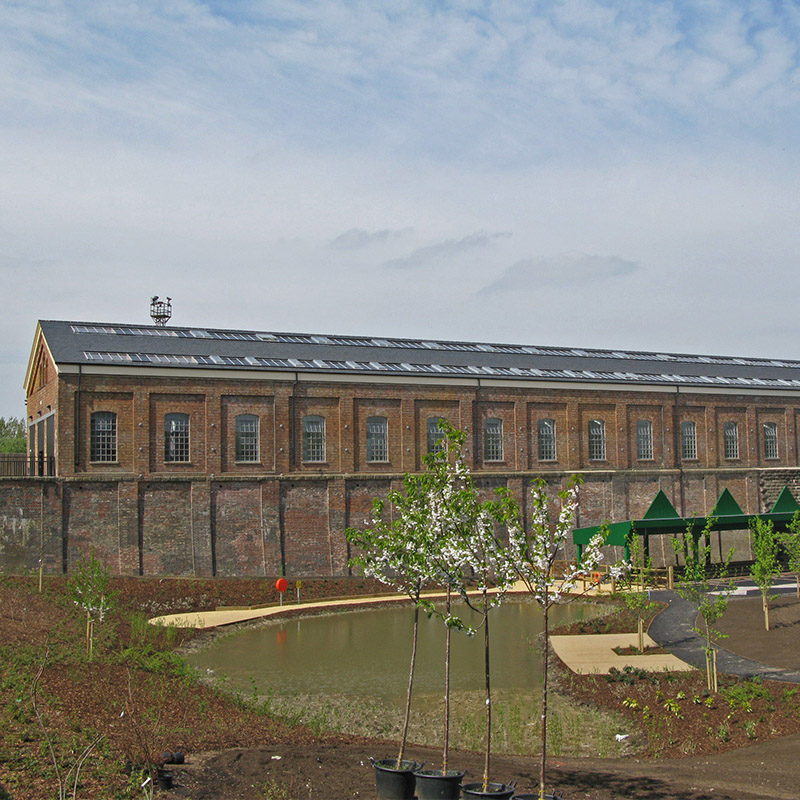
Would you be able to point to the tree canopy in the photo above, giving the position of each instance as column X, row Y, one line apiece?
column 12, row 435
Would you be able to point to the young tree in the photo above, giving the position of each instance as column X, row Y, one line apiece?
column 445, row 525
column 635, row 592
column 477, row 544
column 534, row 554
column 790, row 540
column 695, row 585
column 395, row 553
column 90, row 589
column 766, row 565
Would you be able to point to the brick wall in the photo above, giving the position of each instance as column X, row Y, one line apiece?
column 295, row 526
column 215, row 515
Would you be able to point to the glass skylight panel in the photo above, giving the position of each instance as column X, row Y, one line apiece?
column 275, row 362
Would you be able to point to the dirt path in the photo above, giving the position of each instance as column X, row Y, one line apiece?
column 343, row 771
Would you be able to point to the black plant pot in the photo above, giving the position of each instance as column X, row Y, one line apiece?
column 392, row 783
column 493, row 791
column 433, row 784
column 535, row 796
column 164, row 779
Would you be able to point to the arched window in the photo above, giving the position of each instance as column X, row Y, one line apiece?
column 644, row 440
column 688, row 440
column 247, row 450
column 314, row 439
column 770, row 440
column 597, row 440
column 176, row 437
column 103, row 436
column 546, row 432
column 377, row 439
column 731, row 434
column 493, row 439
column 435, row 435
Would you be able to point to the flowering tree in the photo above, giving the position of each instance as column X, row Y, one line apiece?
column 469, row 542
column 444, row 467
column 534, row 554
column 396, row 554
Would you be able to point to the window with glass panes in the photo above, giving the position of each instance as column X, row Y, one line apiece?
column 492, row 439
column 176, row 437
column 435, row 435
column 103, row 436
column 546, row 433
column 377, row 439
column 597, row 440
column 247, row 438
column 313, row 438
column 688, row 440
column 644, row 439
column 731, row 435
column 770, row 440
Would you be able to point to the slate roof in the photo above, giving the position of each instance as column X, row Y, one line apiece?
column 73, row 343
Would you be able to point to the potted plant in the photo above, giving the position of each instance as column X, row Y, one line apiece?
column 472, row 546
column 391, row 552
column 444, row 500
column 534, row 553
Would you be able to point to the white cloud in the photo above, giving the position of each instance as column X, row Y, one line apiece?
column 446, row 251
column 356, row 238
column 531, row 274
column 300, row 166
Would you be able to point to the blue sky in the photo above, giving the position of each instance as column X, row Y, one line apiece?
column 610, row 174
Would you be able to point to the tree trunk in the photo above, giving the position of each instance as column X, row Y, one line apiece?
column 640, row 628
column 766, row 612
column 446, row 747
column 410, row 686
column 545, row 654
column 488, row 691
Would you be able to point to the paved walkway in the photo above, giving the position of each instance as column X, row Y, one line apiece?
column 672, row 629
column 593, row 653
column 230, row 616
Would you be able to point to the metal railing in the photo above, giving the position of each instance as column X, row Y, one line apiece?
column 13, row 465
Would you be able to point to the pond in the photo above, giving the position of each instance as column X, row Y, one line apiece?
column 366, row 653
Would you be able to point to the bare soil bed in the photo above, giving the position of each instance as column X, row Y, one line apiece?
column 741, row 743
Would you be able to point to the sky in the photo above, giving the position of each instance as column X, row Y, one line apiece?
column 591, row 173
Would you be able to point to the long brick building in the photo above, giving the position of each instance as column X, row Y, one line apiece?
column 184, row 451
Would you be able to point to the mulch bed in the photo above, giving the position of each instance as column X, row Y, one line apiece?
column 235, row 753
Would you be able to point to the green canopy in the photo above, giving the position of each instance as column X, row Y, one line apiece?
column 662, row 517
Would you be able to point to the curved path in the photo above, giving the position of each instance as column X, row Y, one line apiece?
column 230, row 616
column 672, row 629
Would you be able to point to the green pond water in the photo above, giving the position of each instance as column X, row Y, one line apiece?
column 366, row 653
